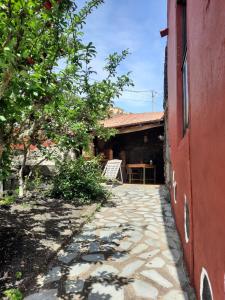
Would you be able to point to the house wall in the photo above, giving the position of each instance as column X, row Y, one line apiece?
column 198, row 157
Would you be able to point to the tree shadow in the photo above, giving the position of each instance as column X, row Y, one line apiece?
column 30, row 235
column 104, row 279
column 106, row 249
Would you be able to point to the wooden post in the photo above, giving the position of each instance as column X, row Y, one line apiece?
column 110, row 153
column 1, row 189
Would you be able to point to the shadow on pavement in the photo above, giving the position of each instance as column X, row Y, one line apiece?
column 173, row 241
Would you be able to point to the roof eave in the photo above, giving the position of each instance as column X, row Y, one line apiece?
column 136, row 124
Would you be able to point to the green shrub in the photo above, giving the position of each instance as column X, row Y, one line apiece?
column 18, row 275
column 7, row 200
column 79, row 181
column 13, row 294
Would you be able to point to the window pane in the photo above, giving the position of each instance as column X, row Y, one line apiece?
column 185, row 95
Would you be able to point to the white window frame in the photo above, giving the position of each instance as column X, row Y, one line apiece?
column 185, row 95
column 203, row 275
column 187, row 237
column 174, row 189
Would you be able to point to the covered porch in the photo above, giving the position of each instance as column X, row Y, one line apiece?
column 139, row 144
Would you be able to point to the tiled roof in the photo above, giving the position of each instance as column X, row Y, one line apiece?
column 123, row 120
column 47, row 144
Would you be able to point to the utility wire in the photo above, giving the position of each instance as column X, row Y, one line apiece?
column 134, row 91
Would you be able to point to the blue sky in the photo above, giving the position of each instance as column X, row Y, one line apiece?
column 122, row 24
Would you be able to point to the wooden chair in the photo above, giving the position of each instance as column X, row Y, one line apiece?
column 134, row 175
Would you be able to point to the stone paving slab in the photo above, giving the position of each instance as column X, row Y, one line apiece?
column 130, row 250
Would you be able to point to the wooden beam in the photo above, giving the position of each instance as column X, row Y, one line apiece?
column 164, row 32
column 136, row 128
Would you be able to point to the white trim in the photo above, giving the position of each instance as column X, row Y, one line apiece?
column 185, row 219
column 174, row 192
column 203, row 275
column 174, row 188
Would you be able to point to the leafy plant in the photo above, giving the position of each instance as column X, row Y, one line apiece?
column 79, row 181
column 13, row 294
column 18, row 275
column 34, row 182
column 7, row 200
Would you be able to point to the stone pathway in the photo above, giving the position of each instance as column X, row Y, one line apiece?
column 131, row 250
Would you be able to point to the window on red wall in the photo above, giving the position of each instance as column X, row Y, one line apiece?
column 185, row 95
column 184, row 65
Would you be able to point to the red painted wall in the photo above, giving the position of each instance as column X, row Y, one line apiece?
column 198, row 158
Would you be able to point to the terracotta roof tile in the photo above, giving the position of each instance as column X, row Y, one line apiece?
column 132, row 119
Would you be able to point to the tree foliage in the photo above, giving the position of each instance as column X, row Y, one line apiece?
column 45, row 67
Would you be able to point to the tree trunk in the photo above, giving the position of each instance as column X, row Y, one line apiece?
column 1, row 151
column 1, row 189
column 22, row 185
column 21, row 182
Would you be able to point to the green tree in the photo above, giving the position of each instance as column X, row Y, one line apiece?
column 45, row 86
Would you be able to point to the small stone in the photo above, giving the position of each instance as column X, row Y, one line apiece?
column 53, row 275
column 104, row 209
column 114, row 224
column 112, row 218
column 103, row 291
column 129, row 269
column 94, row 247
column 54, row 246
column 72, row 286
column 149, row 254
column 152, row 228
column 144, row 290
column 78, row 269
column 173, row 255
column 106, row 235
column 43, row 295
column 119, row 257
column 173, row 235
column 173, row 244
column 157, row 262
column 105, row 271
column 73, row 247
column 38, row 229
column 93, row 257
column 178, row 275
column 173, row 272
column 125, row 245
column 98, row 216
column 67, row 257
column 121, row 221
column 153, row 243
column 151, row 234
column 175, row 295
column 139, row 248
column 156, row 277
column 143, row 210
column 135, row 237
column 85, row 237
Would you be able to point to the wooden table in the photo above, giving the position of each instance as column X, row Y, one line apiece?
column 144, row 167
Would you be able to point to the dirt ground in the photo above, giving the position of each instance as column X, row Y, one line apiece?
column 31, row 233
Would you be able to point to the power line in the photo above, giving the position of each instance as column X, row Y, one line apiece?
column 131, row 91
column 134, row 91
column 132, row 100
column 153, row 98
column 153, row 95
